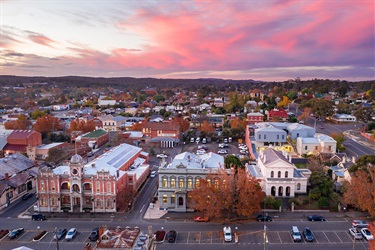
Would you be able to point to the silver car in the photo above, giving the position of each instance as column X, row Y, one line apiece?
column 356, row 233
column 71, row 234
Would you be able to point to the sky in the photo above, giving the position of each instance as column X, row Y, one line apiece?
column 269, row 40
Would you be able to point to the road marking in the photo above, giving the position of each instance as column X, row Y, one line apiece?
column 142, row 208
column 279, row 237
column 338, row 237
column 326, row 237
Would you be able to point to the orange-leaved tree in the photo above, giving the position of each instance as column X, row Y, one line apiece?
column 305, row 114
column 361, row 189
column 227, row 193
column 181, row 122
column 206, row 127
column 238, row 123
column 82, row 125
column 21, row 123
column 47, row 124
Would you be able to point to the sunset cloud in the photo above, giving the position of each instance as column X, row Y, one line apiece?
column 253, row 39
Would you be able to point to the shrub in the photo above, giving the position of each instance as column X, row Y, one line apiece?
column 40, row 235
column 323, row 202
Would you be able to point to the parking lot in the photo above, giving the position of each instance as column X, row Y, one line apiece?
column 213, row 237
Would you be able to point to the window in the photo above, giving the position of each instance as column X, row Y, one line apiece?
column 165, row 198
column 109, row 203
column 272, row 174
column 282, row 137
column 316, row 148
column 164, row 182
column 208, row 183
column 190, row 183
column 98, row 203
column 297, row 134
column 305, row 147
column 278, row 137
column 216, row 183
column 264, row 136
column 97, row 186
column 286, row 174
column 52, row 185
column 173, row 182
column 329, row 148
column 109, row 187
column 298, row 186
column 173, row 199
column 44, row 203
column 181, row 183
column 259, row 137
column 42, row 185
column 279, row 174
column 197, row 183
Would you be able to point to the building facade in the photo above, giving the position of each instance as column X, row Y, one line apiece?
column 182, row 176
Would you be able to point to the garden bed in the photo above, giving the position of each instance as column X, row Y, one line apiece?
column 39, row 236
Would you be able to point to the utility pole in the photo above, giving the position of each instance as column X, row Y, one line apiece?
column 265, row 237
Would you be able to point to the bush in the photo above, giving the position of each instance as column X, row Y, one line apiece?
column 323, row 202
column 3, row 233
column 272, row 202
column 40, row 235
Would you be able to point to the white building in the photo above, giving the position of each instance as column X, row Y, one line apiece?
column 344, row 118
column 279, row 177
column 182, row 175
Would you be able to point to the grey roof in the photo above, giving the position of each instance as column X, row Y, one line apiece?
column 14, row 164
column 254, row 171
column 209, row 160
column 273, row 156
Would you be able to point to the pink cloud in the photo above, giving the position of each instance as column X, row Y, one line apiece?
column 40, row 39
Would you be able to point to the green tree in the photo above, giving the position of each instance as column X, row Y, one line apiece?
column 364, row 114
column 37, row 113
column 232, row 161
column 158, row 98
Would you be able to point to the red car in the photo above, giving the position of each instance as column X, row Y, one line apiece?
column 201, row 219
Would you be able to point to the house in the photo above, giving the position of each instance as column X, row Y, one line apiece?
column 278, row 176
column 343, row 118
column 104, row 103
column 165, row 134
column 42, row 151
column 95, row 186
column 268, row 134
column 277, row 115
column 94, row 139
column 257, row 93
column 217, row 121
column 219, row 102
column 253, row 118
column 307, row 146
column 327, row 144
column 182, row 175
column 296, row 130
column 22, row 141
column 17, row 176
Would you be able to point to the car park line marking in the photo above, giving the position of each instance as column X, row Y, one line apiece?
column 338, row 236
column 315, row 238
column 326, row 237
column 350, row 236
column 279, row 237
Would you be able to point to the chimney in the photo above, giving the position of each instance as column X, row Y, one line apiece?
column 6, row 176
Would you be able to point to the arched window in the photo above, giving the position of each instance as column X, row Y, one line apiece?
column 197, row 182
column 286, row 174
column 190, row 183
column 164, row 182
column 165, row 197
column 173, row 182
column 208, row 183
column 42, row 185
column 272, row 174
column 173, row 199
column 181, row 183
column 298, row 186
column 216, row 183
column 53, row 185
column 97, row 186
column 279, row 174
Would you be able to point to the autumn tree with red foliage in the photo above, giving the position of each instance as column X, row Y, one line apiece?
column 21, row 123
column 228, row 193
column 82, row 125
column 46, row 124
column 361, row 190
column 206, row 127
column 181, row 122
column 138, row 126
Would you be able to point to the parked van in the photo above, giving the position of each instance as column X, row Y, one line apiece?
column 296, row 235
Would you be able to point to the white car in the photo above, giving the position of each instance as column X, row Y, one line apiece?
column 227, row 234
column 71, row 234
column 367, row 234
column 162, row 156
column 222, row 151
column 201, row 152
column 356, row 233
column 198, row 140
column 153, row 174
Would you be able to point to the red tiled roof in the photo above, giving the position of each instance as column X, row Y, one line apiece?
column 278, row 113
column 20, row 134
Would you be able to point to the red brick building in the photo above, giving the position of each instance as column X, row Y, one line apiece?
column 22, row 141
column 166, row 134
column 277, row 115
column 95, row 186
column 253, row 118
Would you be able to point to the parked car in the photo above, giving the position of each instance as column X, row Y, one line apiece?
column 38, row 216
column 60, row 233
column 308, row 235
column 263, row 217
column 222, row 151
column 227, row 234
column 89, row 154
column 94, row 235
column 315, row 218
column 171, row 236
column 161, row 156
column 204, row 140
column 26, row 196
column 225, row 140
column 198, row 140
column 201, row 219
column 367, row 234
column 296, row 235
column 71, row 234
column 153, row 174
column 201, row 152
column 15, row 233
column 356, row 233
column 192, row 139
column 359, row 223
